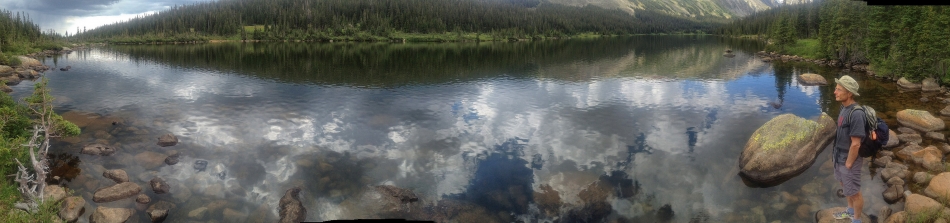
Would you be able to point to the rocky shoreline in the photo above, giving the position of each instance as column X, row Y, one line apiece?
column 30, row 68
column 926, row 85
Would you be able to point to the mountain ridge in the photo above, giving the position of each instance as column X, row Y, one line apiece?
column 697, row 9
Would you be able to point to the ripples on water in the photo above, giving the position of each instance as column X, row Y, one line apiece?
column 576, row 130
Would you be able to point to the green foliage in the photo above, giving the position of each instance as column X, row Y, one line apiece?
column 806, row 48
column 381, row 20
column 16, row 122
column 926, row 216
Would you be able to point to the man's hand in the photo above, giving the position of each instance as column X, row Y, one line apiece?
column 853, row 151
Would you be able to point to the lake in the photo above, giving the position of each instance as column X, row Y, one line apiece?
column 630, row 128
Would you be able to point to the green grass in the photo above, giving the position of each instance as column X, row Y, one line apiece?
column 927, row 216
column 807, row 48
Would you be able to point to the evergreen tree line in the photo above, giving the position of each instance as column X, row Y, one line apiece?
column 896, row 41
column 319, row 19
column 19, row 35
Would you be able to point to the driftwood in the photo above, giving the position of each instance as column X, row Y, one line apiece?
column 32, row 185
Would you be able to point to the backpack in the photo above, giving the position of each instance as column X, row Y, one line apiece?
column 872, row 125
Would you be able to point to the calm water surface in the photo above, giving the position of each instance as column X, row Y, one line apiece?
column 655, row 120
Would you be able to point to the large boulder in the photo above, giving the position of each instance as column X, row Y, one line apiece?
column 291, row 209
column 110, row 215
column 11, row 80
column 919, row 204
column 98, row 150
column 116, row 192
column 810, row 79
column 28, row 62
column 167, row 140
column 6, row 71
column 939, row 186
column 920, row 120
column 72, row 208
column 929, row 84
column 783, row 148
column 824, row 216
column 904, row 83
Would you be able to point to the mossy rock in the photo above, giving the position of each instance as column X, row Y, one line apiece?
column 812, row 79
column 825, row 216
column 920, row 120
column 783, row 148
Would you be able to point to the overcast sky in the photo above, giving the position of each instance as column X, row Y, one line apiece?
column 67, row 15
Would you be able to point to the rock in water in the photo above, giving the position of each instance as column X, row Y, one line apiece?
column 892, row 140
column 159, row 185
column 824, row 216
column 904, row 83
column 167, row 140
column 72, row 208
column 104, row 215
column 116, row 175
column 783, row 148
column 894, row 193
column 116, row 192
column 812, row 79
column 97, row 150
column 291, row 209
column 172, row 158
column 920, row 120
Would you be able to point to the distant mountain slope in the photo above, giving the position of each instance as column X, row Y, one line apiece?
column 699, row 9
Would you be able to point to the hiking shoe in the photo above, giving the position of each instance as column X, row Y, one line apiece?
column 842, row 215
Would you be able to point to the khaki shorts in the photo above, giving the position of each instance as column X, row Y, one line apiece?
column 850, row 178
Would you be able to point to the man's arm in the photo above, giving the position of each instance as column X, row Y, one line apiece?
column 853, row 151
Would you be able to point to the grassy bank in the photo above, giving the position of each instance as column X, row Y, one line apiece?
column 16, row 120
column 806, row 48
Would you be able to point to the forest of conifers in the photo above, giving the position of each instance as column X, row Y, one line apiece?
column 374, row 19
column 896, row 41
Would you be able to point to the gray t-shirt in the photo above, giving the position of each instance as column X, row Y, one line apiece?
column 847, row 129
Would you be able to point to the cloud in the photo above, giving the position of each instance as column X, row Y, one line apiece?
column 66, row 15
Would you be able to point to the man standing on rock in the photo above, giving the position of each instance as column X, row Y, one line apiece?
column 848, row 138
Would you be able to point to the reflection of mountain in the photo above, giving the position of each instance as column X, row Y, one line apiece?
column 389, row 65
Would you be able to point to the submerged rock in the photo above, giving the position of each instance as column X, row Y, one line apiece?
column 110, row 215
column 783, row 148
column 167, row 140
column 116, row 192
column 291, row 209
column 548, row 200
column 824, row 216
column 398, row 194
column 149, row 160
column 920, row 120
column 97, row 149
column 810, row 79
column 172, row 158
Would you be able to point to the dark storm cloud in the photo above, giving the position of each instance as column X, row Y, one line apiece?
column 66, row 15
